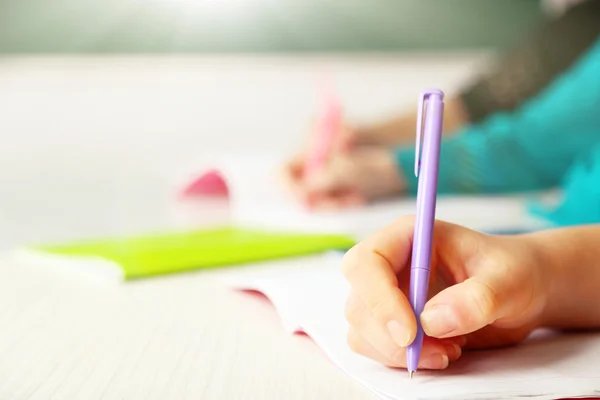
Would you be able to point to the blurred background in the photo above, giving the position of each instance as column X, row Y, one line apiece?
column 247, row 26
column 100, row 101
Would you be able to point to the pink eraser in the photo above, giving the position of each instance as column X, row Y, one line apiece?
column 209, row 184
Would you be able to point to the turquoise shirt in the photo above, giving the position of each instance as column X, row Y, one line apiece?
column 531, row 148
column 580, row 203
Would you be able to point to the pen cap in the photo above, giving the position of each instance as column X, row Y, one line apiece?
column 437, row 96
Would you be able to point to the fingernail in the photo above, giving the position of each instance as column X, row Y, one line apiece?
column 454, row 351
column 399, row 333
column 435, row 361
column 438, row 321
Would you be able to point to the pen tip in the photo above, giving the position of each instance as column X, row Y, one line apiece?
column 411, row 373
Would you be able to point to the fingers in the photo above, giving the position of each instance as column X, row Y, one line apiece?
column 391, row 245
column 348, row 139
column 381, row 318
column 369, row 338
column 436, row 354
column 362, row 320
column 376, row 285
column 497, row 289
column 496, row 295
column 323, row 200
column 371, row 268
column 329, row 188
column 335, row 175
column 461, row 309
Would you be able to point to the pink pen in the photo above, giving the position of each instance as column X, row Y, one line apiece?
column 325, row 137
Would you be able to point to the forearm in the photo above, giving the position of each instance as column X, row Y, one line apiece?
column 526, row 150
column 481, row 160
column 401, row 130
column 572, row 257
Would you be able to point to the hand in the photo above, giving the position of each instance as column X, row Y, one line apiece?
column 486, row 291
column 349, row 178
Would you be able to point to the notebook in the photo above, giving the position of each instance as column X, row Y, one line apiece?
column 268, row 223
column 258, row 200
column 144, row 256
column 546, row 366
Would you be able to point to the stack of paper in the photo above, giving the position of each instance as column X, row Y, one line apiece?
column 546, row 366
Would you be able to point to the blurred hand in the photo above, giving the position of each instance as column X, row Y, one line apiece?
column 360, row 167
column 349, row 178
column 486, row 291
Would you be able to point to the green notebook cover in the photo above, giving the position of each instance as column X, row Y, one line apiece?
column 145, row 256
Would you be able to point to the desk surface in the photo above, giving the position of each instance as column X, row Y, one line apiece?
column 176, row 337
column 89, row 149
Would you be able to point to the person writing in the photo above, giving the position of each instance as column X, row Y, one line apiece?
column 524, row 136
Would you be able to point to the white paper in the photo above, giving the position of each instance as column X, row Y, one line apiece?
column 311, row 298
column 258, row 199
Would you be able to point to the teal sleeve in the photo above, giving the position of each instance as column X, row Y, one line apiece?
column 580, row 202
column 528, row 149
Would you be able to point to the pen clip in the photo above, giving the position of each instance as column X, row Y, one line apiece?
column 419, row 132
column 420, row 116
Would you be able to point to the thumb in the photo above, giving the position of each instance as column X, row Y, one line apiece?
column 472, row 305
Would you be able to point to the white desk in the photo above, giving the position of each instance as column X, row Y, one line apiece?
column 88, row 148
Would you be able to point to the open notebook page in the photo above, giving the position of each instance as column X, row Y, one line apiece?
column 310, row 297
column 258, row 199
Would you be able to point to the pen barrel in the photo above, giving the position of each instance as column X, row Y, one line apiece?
column 418, row 298
column 428, row 182
column 424, row 221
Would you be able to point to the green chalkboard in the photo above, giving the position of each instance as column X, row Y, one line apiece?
column 98, row 26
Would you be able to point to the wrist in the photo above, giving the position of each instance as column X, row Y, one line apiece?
column 388, row 133
column 554, row 277
column 570, row 257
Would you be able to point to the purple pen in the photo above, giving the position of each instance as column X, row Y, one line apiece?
column 426, row 169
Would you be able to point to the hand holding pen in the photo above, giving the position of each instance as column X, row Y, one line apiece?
column 422, row 290
column 333, row 174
